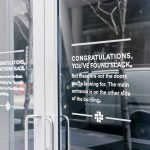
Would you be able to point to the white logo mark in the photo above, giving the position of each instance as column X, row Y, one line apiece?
column 8, row 106
column 98, row 117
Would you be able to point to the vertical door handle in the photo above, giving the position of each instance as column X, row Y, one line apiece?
column 49, row 119
column 26, row 128
column 67, row 132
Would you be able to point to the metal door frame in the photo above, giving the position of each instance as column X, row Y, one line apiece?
column 45, row 73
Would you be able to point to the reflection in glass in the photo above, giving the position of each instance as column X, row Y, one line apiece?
column 23, row 98
column 105, row 100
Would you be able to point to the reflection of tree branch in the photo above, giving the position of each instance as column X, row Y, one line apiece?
column 99, row 3
column 114, row 27
column 114, row 24
column 111, row 16
column 29, row 61
column 28, row 6
column 120, row 12
column 22, row 33
column 107, row 4
column 101, row 18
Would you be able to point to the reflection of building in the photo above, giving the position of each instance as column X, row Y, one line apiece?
column 21, row 30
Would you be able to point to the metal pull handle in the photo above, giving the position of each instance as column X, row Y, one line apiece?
column 67, row 131
column 49, row 119
column 26, row 128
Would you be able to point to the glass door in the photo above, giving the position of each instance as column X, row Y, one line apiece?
column 104, row 70
column 16, row 71
column 18, row 91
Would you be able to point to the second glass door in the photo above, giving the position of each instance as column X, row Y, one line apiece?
column 104, row 74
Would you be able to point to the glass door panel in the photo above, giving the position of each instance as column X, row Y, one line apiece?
column 104, row 72
column 16, row 74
